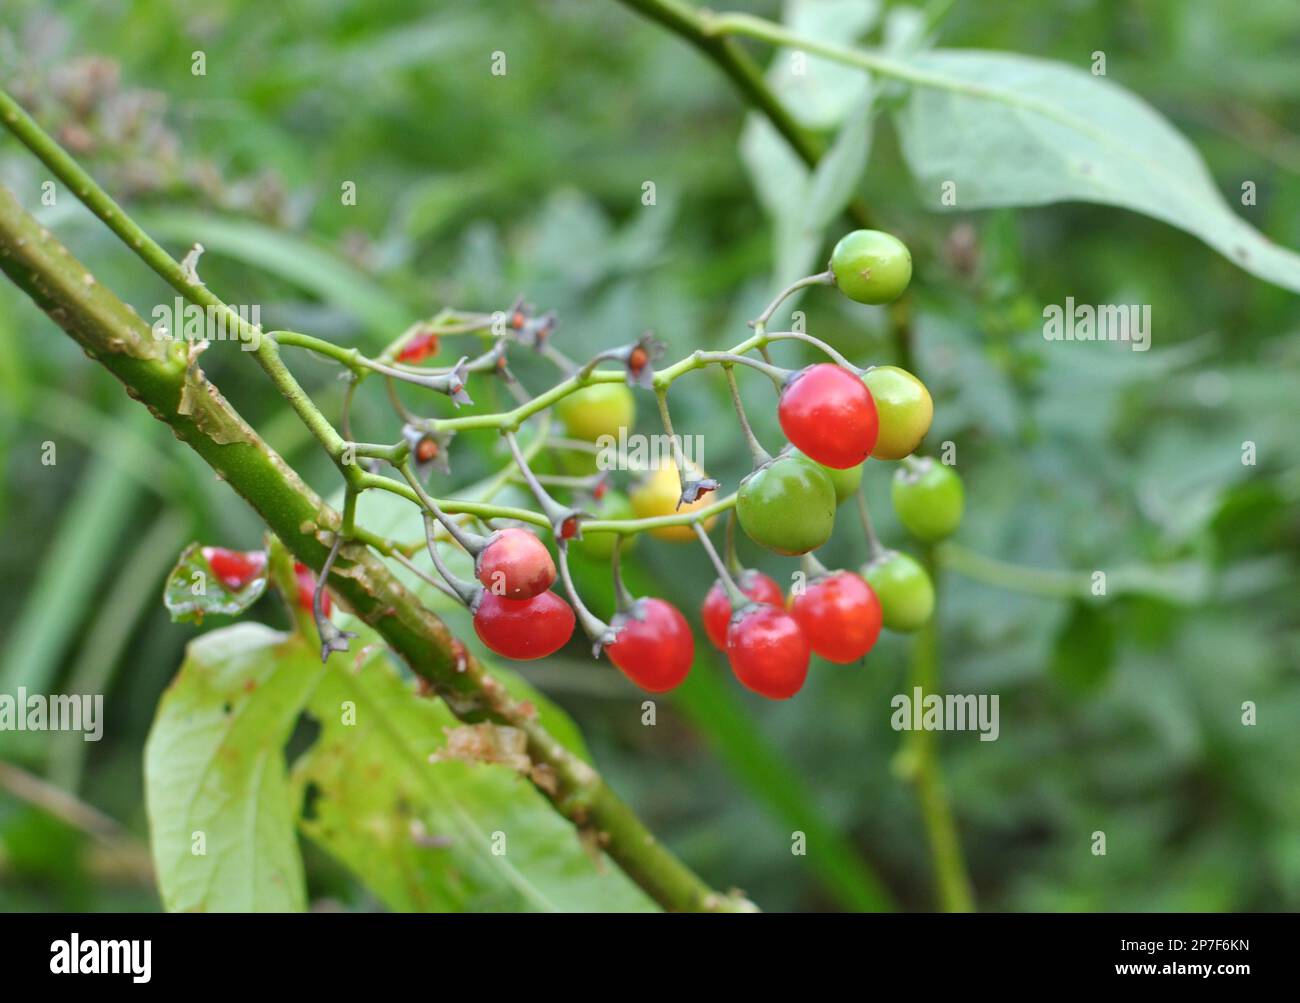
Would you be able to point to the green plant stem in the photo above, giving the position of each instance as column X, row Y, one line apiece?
column 712, row 35
column 1051, row 584
column 817, row 343
column 923, row 770
column 690, row 23
column 166, row 378
column 825, row 278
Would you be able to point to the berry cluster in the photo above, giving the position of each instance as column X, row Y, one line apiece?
column 835, row 416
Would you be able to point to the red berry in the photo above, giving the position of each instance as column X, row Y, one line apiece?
column 307, row 588
column 840, row 615
column 419, row 348
column 653, row 645
column 515, row 565
column 234, row 568
column 524, row 629
column 768, row 651
column 829, row 415
column 716, row 612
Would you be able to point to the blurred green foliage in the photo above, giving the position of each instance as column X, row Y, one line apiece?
column 1122, row 716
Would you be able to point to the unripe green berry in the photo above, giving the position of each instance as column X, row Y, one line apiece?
column 845, row 482
column 787, row 505
column 904, row 589
column 596, row 410
column 928, row 499
column 871, row 266
column 904, row 407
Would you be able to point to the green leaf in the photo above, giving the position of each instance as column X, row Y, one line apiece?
column 444, row 835
column 193, row 591
column 820, row 92
column 1011, row 130
column 214, row 771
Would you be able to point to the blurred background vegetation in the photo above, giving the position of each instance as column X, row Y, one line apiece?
column 1122, row 716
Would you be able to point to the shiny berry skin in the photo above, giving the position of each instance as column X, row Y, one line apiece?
column 787, row 505
column 768, row 651
column 657, row 494
column 828, row 415
column 234, row 568
column 840, row 615
column 418, row 348
column 613, row 505
column 652, row 645
column 515, row 564
column 845, row 482
column 716, row 611
column 524, row 629
column 307, row 588
column 904, row 589
column 871, row 267
column 596, row 410
column 905, row 409
column 928, row 499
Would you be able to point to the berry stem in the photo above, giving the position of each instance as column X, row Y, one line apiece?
column 825, row 278
column 424, row 576
column 661, row 398
column 467, row 592
column 553, row 510
column 831, row 353
column 756, row 450
column 331, row 638
column 812, row 567
column 776, row 374
column 738, row 598
column 622, row 597
column 596, row 629
column 873, row 541
column 729, row 547
column 471, row 542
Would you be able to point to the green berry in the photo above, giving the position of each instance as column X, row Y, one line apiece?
column 871, row 267
column 904, row 589
column 596, row 410
column 787, row 505
column 904, row 408
column 928, row 499
column 845, row 482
